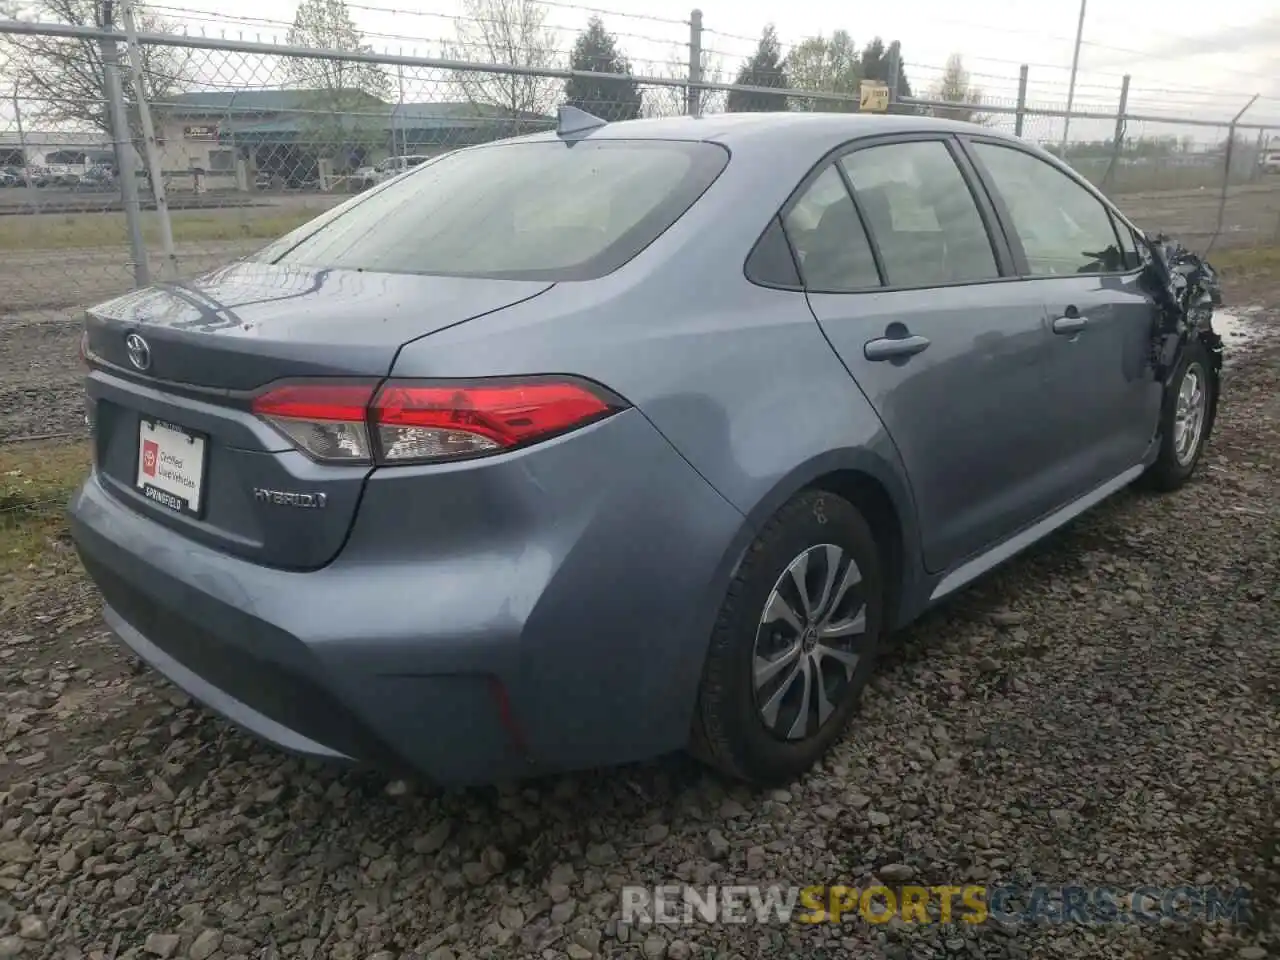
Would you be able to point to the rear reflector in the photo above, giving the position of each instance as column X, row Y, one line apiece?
column 417, row 422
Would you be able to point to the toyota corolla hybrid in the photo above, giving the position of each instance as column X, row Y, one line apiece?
column 578, row 448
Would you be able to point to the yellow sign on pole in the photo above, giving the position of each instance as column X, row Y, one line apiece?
column 873, row 96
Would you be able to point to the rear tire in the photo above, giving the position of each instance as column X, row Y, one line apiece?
column 1186, row 420
column 786, row 668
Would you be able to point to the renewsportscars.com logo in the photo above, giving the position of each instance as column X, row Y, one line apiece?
column 681, row 904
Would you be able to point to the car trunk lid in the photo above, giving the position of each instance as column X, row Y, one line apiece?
column 174, row 369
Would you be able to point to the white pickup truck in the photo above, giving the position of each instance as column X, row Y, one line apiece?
column 1270, row 162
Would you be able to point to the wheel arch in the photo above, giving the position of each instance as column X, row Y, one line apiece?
column 878, row 487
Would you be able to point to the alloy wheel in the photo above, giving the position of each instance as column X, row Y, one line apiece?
column 1189, row 414
column 809, row 642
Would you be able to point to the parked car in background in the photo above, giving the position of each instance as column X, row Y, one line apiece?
column 100, row 176
column 61, row 175
column 9, row 179
column 390, row 167
column 1270, row 162
column 580, row 448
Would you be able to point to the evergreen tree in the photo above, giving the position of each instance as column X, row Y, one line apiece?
column 876, row 62
column 596, row 51
column 765, row 68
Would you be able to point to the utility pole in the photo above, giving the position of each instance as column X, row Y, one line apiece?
column 1071, row 89
column 122, row 140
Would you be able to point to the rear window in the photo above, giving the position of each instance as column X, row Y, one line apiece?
column 545, row 210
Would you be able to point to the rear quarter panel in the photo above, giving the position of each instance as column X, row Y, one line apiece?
column 738, row 378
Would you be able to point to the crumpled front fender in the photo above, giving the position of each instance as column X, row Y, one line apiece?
column 1186, row 289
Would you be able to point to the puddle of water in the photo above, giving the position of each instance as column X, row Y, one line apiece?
column 1243, row 327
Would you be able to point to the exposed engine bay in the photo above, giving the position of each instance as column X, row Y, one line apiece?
column 1186, row 290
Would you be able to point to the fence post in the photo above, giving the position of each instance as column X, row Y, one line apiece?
column 1226, row 171
column 1255, row 169
column 693, row 94
column 403, row 149
column 1117, row 140
column 895, row 68
column 149, row 140
column 1022, row 101
column 122, row 141
column 22, row 145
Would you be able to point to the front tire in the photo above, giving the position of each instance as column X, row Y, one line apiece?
column 1186, row 419
column 794, row 645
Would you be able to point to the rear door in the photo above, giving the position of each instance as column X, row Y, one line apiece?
column 910, row 278
column 1066, row 242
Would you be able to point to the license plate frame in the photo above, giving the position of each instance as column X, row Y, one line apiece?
column 172, row 466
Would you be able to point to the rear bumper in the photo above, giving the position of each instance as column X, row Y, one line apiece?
column 547, row 610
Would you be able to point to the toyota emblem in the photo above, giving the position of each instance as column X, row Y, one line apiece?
column 139, row 352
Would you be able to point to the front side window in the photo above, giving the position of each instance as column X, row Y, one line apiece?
column 1064, row 229
column 828, row 238
column 1128, row 245
column 542, row 210
column 921, row 214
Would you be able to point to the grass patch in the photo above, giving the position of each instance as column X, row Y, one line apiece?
column 36, row 481
column 1247, row 263
column 65, row 231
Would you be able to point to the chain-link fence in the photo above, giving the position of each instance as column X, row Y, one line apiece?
column 234, row 142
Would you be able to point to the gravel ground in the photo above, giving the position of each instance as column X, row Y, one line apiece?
column 1104, row 710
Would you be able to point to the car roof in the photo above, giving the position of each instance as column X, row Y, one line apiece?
column 810, row 131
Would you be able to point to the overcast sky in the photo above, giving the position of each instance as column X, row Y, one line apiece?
column 1186, row 57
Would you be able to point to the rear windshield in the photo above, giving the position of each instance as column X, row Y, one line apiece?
column 542, row 210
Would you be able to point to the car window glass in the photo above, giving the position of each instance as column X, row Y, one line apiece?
column 1128, row 246
column 828, row 238
column 920, row 212
column 541, row 210
column 1063, row 227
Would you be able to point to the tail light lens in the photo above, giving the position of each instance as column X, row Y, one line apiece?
column 408, row 421
column 326, row 421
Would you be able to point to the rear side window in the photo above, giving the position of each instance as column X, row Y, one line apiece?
column 545, row 210
column 1064, row 229
column 921, row 214
column 828, row 238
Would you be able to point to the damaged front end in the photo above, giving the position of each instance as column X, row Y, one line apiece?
column 1185, row 289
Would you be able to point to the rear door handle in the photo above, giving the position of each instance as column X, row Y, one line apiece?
column 1070, row 324
column 887, row 348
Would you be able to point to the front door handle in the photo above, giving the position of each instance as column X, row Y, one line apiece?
column 1070, row 324
column 887, row 348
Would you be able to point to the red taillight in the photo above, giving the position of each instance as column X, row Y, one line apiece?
column 327, row 421
column 432, row 422
column 420, row 422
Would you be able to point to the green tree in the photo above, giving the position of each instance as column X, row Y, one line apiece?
column 828, row 66
column 765, row 68
column 344, row 108
column 877, row 60
column 955, row 87
column 596, row 51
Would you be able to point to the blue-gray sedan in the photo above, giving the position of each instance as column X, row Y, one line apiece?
column 583, row 447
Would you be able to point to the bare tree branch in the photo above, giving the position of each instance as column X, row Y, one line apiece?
column 511, row 33
column 62, row 77
column 669, row 101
